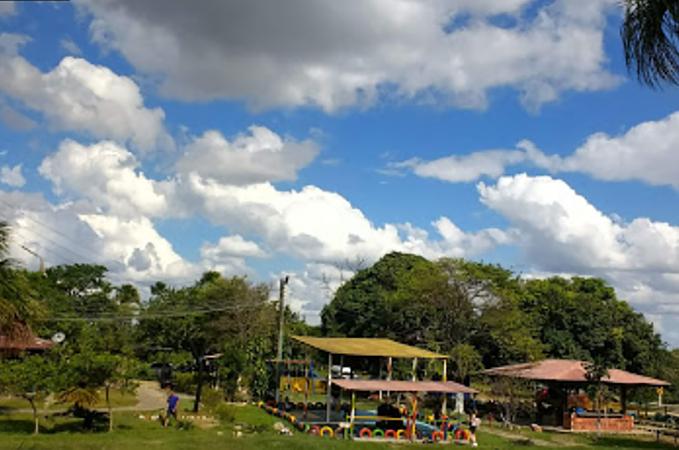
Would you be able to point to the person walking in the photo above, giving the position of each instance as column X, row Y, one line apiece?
column 474, row 423
column 172, row 406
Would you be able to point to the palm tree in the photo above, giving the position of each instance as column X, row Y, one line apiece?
column 650, row 36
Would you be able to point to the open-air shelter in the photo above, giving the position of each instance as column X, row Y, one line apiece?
column 570, row 375
column 375, row 348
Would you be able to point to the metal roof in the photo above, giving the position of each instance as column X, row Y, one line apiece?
column 29, row 342
column 570, row 371
column 371, row 347
column 404, row 386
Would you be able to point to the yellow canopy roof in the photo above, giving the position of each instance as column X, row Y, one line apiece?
column 367, row 347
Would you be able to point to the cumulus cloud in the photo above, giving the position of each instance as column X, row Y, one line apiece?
column 107, row 175
column 70, row 233
column 318, row 225
column 261, row 155
column 561, row 232
column 229, row 246
column 647, row 152
column 320, row 54
column 12, row 176
column 83, row 97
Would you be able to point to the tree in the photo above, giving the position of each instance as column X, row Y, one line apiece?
column 465, row 361
column 650, row 34
column 30, row 378
column 218, row 314
column 17, row 306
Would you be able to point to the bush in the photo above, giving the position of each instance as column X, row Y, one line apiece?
column 212, row 398
column 225, row 413
column 184, row 382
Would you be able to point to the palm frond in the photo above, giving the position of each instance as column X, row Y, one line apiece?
column 650, row 36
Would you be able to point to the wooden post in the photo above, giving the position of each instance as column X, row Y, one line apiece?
column 390, row 369
column 444, row 406
column 414, row 369
column 307, row 384
column 623, row 399
column 353, row 414
column 328, row 395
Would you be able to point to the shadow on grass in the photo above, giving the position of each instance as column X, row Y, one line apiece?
column 50, row 426
column 625, row 442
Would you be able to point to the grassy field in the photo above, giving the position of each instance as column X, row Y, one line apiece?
column 133, row 433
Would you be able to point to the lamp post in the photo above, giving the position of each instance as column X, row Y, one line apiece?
column 281, row 325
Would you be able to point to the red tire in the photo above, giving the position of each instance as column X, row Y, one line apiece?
column 365, row 432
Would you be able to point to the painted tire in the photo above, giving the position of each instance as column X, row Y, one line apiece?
column 365, row 432
column 319, row 405
column 391, row 434
column 462, row 435
column 400, row 434
column 437, row 436
column 306, row 428
column 377, row 432
column 314, row 430
column 292, row 418
column 301, row 406
column 326, row 430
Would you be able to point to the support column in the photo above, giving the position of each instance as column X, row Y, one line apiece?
column 444, row 406
column 328, row 395
column 353, row 414
column 414, row 369
column 623, row 399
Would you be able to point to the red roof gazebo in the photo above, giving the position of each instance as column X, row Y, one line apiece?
column 566, row 375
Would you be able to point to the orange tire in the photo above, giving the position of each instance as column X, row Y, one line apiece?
column 365, row 432
column 390, row 434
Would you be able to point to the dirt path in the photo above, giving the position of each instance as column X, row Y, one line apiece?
column 149, row 398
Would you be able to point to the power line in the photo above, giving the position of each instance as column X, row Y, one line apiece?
column 78, row 255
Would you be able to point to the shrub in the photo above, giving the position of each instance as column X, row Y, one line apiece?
column 225, row 413
column 212, row 398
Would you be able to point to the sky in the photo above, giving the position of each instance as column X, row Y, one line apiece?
column 310, row 137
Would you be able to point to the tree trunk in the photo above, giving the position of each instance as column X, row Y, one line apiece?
column 199, row 386
column 36, row 419
column 110, row 410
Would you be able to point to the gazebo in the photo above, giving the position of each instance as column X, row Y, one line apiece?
column 567, row 376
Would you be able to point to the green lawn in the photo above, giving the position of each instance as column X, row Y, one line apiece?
column 133, row 433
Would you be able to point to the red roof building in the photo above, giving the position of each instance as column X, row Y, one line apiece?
column 25, row 344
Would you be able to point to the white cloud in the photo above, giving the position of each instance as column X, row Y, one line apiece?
column 261, row 155
column 12, row 176
column 15, row 120
column 70, row 233
column 317, row 53
column 316, row 225
column 647, row 152
column 560, row 231
column 463, row 168
column 79, row 96
column 230, row 246
column 69, row 46
column 7, row 8
column 107, row 175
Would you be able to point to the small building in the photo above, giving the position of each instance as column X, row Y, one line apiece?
column 11, row 347
column 564, row 379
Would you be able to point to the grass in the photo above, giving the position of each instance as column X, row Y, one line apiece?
column 132, row 434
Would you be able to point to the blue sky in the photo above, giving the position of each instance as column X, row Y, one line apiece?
column 166, row 139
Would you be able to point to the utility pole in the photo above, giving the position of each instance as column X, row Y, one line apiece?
column 281, row 325
column 42, row 261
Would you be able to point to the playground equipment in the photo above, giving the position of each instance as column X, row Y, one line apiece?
column 333, row 419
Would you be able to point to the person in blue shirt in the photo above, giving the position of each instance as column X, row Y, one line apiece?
column 172, row 406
